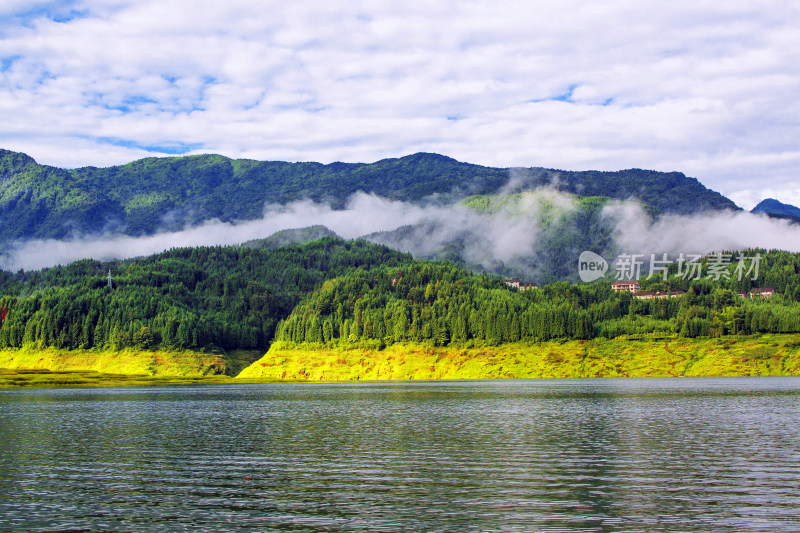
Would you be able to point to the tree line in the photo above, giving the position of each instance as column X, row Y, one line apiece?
column 350, row 293
column 444, row 305
column 209, row 297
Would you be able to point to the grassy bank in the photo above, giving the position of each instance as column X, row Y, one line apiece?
column 768, row 355
column 88, row 378
column 128, row 362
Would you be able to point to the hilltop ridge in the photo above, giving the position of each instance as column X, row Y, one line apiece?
column 168, row 193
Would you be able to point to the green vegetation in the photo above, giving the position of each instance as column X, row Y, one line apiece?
column 81, row 378
column 215, row 299
column 127, row 361
column 564, row 226
column 776, row 209
column 770, row 355
column 543, row 203
column 442, row 305
column 152, row 194
column 355, row 310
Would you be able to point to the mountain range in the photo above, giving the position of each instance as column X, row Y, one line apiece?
column 164, row 194
column 307, row 289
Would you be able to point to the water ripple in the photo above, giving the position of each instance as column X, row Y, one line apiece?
column 587, row 455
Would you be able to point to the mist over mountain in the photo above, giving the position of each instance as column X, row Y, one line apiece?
column 154, row 195
column 529, row 223
column 533, row 235
column 292, row 236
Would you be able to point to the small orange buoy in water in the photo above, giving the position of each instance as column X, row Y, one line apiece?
column 247, row 478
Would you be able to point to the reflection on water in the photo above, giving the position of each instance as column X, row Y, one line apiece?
column 588, row 455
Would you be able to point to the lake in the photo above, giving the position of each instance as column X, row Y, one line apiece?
column 550, row 455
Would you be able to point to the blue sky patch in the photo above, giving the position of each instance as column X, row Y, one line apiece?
column 563, row 97
column 58, row 11
column 130, row 103
column 177, row 148
column 567, row 96
column 6, row 62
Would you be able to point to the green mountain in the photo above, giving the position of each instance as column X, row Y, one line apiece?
column 154, row 194
column 212, row 298
column 344, row 294
column 443, row 305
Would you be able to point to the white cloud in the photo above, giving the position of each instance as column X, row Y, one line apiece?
column 704, row 88
column 637, row 233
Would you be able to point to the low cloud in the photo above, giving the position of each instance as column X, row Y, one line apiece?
column 512, row 240
column 363, row 214
column 502, row 236
column 635, row 232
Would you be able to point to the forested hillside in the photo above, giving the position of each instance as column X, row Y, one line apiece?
column 155, row 194
column 212, row 298
column 198, row 311
column 444, row 305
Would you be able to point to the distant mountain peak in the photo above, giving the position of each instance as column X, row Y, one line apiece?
column 771, row 206
column 429, row 155
column 421, row 157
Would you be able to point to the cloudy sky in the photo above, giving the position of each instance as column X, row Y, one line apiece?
column 707, row 88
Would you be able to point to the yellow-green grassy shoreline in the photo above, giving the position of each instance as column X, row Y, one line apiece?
column 50, row 367
column 767, row 355
column 88, row 378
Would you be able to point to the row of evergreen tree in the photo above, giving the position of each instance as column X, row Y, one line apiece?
column 216, row 297
column 445, row 305
column 333, row 291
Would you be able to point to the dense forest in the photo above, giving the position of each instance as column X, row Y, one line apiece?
column 445, row 305
column 351, row 293
column 155, row 194
column 200, row 298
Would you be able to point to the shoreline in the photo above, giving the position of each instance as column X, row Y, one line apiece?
column 766, row 355
column 760, row 355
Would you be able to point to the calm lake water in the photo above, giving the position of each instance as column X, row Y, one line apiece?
column 552, row 455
